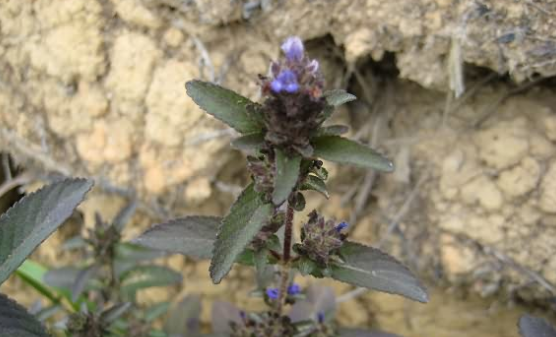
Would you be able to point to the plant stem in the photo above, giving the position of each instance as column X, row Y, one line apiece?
column 113, row 283
column 288, row 234
column 288, row 223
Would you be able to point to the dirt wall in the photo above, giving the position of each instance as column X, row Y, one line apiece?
column 96, row 88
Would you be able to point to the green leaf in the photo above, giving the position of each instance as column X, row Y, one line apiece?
column 332, row 130
column 32, row 274
column 225, row 105
column 246, row 258
column 335, row 98
column 246, row 217
column 287, row 172
column 82, row 280
column 305, row 266
column 184, row 319
column 530, row 326
column 113, row 313
column 45, row 313
column 371, row 268
column 264, row 271
column 31, row 221
column 127, row 251
column 124, row 215
column 155, row 311
column 61, row 278
column 297, row 201
column 76, row 242
column 338, row 97
column 15, row 321
column 250, row 142
column 142, row 277
column 313, row 183
column 192, row 236
column 345, row 151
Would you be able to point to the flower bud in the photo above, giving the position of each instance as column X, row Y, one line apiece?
column 320, row 239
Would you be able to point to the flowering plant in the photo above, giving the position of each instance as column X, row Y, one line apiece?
column 284, row 137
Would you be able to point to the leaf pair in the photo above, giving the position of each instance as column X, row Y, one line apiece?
column 361, row 265
column 242, row 114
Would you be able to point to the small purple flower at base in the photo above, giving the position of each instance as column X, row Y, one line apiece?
column 294, row 289
column 293, row 49
column 341, row 226
column 320, row 317
column 273, row 293
column 285, row 81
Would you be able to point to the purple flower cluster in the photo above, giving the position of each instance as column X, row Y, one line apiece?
column 297, row 73
column 285, row 81
column 274, row 293
column 294, row 102
column 320, row 238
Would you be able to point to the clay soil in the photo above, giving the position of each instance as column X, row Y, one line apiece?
column 460, row 94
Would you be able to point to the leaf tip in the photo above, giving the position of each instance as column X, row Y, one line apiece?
column 423, row 296
column 215, row 275
column 389, row 167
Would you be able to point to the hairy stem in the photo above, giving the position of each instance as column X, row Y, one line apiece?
column 288, row 234
column 286, row 256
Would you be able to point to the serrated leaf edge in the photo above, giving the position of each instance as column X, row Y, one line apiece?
column 425, row 296
column 23, row 200
column 24, row 310
column 247, row 100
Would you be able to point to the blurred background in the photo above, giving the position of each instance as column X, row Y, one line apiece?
column 460, row 94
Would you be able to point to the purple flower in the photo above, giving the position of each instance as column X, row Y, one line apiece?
column 294, row 289
column 320, row 317
column 285, row 81
column 341, row 226
column 293, row 49
column 273, row 293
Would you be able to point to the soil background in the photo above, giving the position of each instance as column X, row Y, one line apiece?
column 460, row 94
